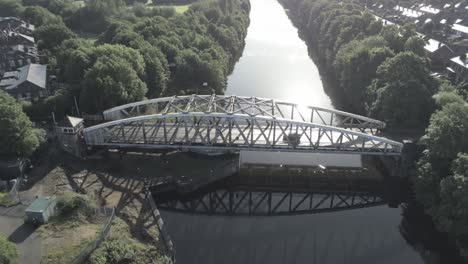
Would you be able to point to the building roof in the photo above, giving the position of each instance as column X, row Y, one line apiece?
column 433, row 45
column 70, row 121
column 429, row 9
column 458, row 61
column 41, row 204
column 460, row 28
column 21, row 22
column 34, row 73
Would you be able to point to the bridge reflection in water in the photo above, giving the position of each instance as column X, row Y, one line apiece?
column 256, row 217
column 274, row 193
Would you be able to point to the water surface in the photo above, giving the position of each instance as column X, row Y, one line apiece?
column 275, row 64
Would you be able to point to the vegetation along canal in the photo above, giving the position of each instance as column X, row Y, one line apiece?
column 275, row 64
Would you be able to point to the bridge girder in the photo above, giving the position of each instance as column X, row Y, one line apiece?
column 234, row 132
column 252, row 106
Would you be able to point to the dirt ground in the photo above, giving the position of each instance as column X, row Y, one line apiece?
column 114, row 181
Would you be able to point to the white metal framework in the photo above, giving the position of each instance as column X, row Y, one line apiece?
column 234, row 132
column 252, row 106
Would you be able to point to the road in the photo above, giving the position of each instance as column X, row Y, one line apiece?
column 28, row 242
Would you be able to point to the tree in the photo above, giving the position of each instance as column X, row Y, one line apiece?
column 157, row 70
column 17, row 135
column 446, row 133
column 356, row 64
column 39, row 16
column 111, row 81
column 450, row 213
column 416, row 45
column 8, row 251
column 401, row 95
column 52, row 35
column 10, row 8
column 447, row 94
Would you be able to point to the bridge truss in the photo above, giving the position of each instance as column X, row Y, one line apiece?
column 252, row 106
column 234, row 132
column 267, row 203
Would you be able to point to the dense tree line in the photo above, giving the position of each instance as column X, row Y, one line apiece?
column 109, row 52
column 442, row 185
column 383, row 71
column 114, row 52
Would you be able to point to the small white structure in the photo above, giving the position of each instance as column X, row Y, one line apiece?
column 69, row 132
column 41, row 210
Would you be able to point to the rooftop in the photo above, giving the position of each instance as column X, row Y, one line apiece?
column 70, row 121
column 41, row 203
column 34, row 73
column 433, row 45
column 458, row 61
column 460, row 28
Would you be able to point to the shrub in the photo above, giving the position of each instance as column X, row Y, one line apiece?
column 8, row 251
column 71, row 204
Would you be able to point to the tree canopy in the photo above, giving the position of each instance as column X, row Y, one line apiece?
column 17, row 135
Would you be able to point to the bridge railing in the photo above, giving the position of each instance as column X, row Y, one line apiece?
column 252, row 106
column 234, row 132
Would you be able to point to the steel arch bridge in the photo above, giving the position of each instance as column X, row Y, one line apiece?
column 252, row 106
column 234, row 132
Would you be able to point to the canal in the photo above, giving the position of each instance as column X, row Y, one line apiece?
column 276, row 64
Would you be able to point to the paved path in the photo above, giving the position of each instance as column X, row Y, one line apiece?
column 28, row 242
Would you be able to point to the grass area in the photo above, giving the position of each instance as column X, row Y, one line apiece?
column 79, row 4
column 67, row 234
column 120, row 247
column 8, row 251
column 5, row 200
column 180, row 9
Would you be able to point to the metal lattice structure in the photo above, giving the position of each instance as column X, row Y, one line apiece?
column 266, row 203
column 234, row 132
column 252, row 106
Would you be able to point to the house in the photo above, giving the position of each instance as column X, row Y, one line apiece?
column 16, row 24
column 27, row 83
column 40, row 211
column 69, row 132
column 460, row 30
column 439, row 53
column 15, row 56
column 459, row 68
column 70, row 125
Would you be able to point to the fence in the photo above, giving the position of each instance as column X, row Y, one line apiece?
column 85, row 253
column 170, row 249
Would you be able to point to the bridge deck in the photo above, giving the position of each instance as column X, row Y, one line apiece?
column 234, row 132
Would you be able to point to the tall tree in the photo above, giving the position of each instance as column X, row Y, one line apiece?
column 111, row 81
column 17, row 135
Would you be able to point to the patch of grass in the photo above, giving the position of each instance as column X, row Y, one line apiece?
column 180, row 9
column 8, row 251
column 5, row 200
column 64, row 254
column 71, row 231
column 121, row 247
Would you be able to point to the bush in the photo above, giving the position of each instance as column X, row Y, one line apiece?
column 8, row 251
column 120, row 247
column 72, row 204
